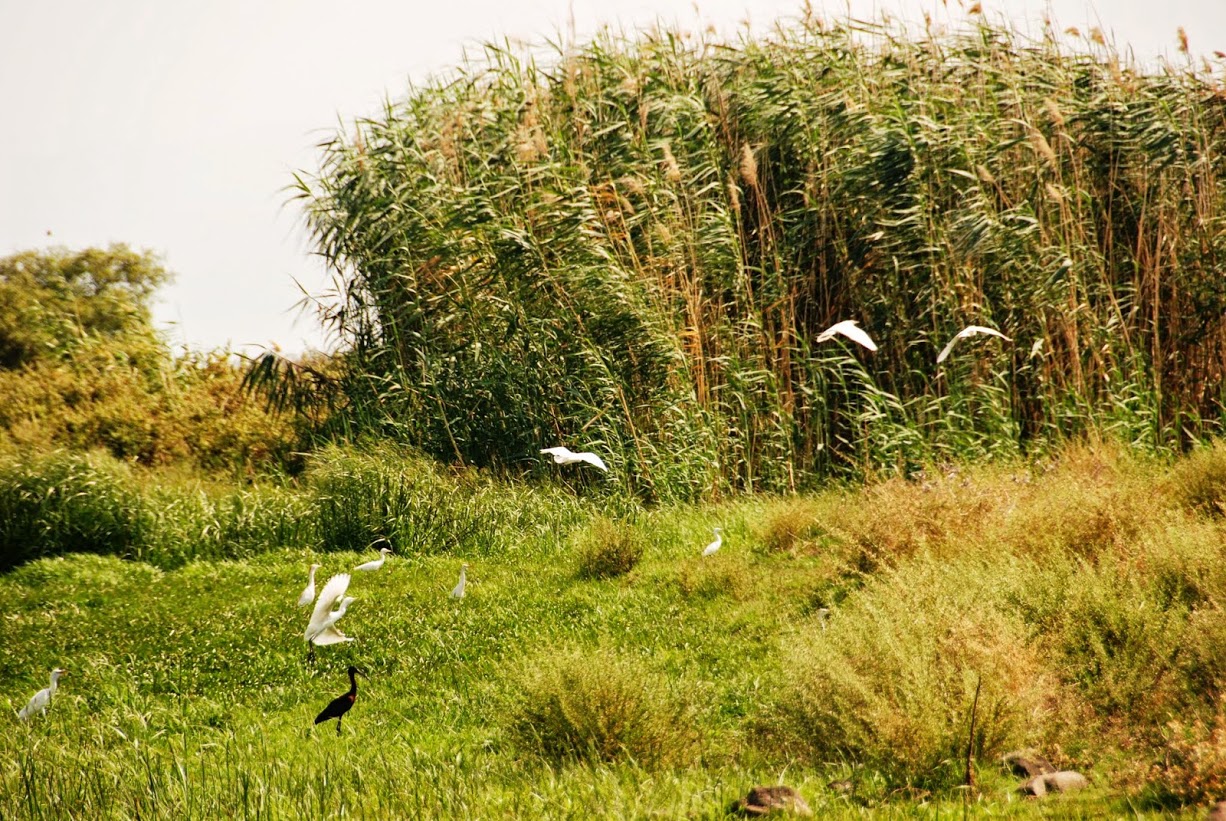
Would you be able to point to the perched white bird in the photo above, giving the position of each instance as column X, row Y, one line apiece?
column 714, row 546
column 849, row 329
column 308, row 594
column 42, row 699
column 969, row 330
column 458, row 592
column 565, row 456
column 321, row 629
column 375, row 564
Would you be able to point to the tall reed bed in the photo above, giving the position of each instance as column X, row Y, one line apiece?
column 632, row 244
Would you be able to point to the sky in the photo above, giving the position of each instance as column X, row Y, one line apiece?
column 177, row 127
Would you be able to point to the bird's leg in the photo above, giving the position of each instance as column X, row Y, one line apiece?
column 311, row 652
column 338, row 726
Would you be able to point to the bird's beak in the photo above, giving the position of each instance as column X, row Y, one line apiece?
column 361, row 673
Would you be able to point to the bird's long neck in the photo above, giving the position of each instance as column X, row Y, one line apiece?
column 55, row 681
column 312, row 576
column 353, row 684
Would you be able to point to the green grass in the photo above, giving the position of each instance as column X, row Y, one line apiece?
column 190, row 696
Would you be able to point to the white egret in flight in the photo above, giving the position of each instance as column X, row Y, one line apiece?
column 321, row 629
column 969, row 330
column 714, row 546
column 42, row 699
column 308, row 594
column 565, row 456
column 849, row 329
column 375, row 564
column 458, row 592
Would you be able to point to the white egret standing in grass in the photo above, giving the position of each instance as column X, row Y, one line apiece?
column 308, row 594
column 375, row 564
column 42, row 699
column 565, row 456
column 969, row 330
column 321, row 629
column 715, row 545
column 849, row 329
column 458, row 591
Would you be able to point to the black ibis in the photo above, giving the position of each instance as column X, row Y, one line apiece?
column 341, row 704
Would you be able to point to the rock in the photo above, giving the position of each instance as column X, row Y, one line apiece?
column 764, row 800
column 1027, row 763
column 1062, row 781
column 1218, row 812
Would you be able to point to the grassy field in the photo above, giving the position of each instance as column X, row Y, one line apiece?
column 1085, row 593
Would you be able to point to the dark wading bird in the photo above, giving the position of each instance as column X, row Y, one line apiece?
column 341, row 704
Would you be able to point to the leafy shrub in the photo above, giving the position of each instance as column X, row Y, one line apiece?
column 600, row 707
column 607, row 548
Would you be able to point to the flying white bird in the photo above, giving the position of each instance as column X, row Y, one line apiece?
column 714, row 546
column 42, row 699
column 565, row 456
column 969, row 330
column 308, row 594
column 321, row 629
column 849, row 329
column 458, row 592
column 375, row 564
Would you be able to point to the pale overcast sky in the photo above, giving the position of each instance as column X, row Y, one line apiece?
column 176, row 125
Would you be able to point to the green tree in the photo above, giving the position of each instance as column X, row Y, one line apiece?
column 50, row 301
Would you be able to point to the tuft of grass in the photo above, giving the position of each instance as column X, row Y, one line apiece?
column 607, row 548
column 601, row 707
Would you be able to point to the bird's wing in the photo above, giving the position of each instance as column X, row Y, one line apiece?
column 330, row 635
column 971, row 330
column 558, row 454
column 333, row 590
column 857, row 334
column 37, row 704
column 848, row 329
column 592, row 459
column 373, row 564
column 307, row 595
column 949, row 346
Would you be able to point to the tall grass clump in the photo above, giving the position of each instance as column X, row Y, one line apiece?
column 598, row 707
column 606, row 548
column 632, row 244
column 66, row 503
